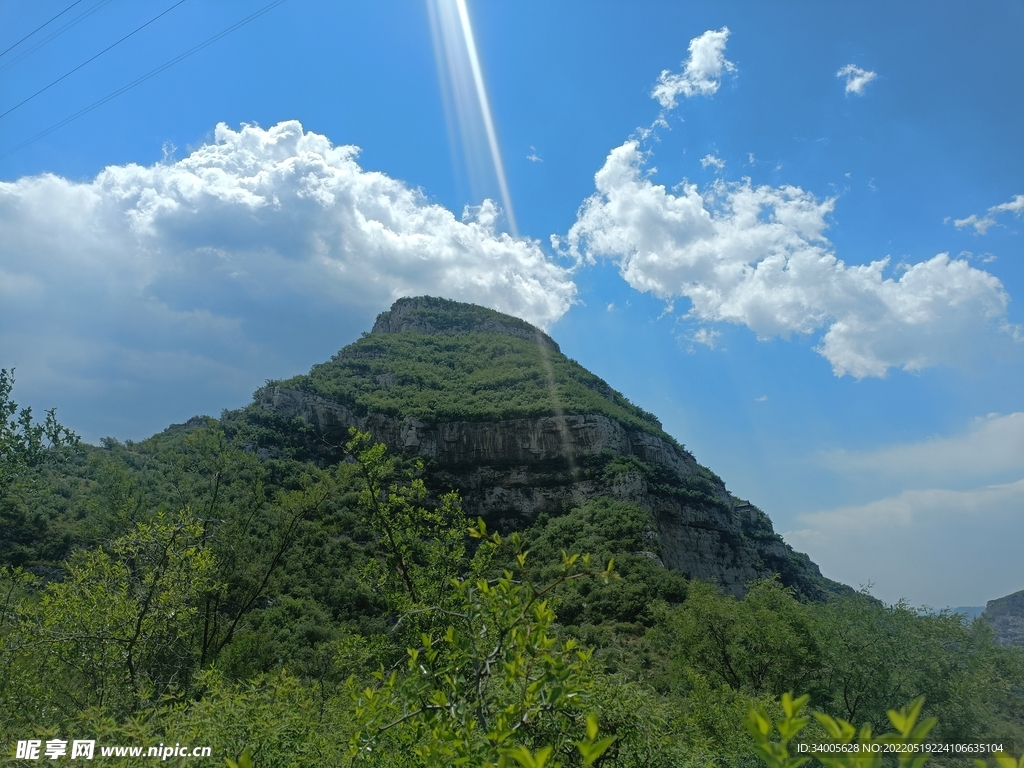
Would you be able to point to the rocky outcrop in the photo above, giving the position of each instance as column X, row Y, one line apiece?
column 1006, row 615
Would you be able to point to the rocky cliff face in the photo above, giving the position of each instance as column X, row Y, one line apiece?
column 508, row 471
column 471, row 443
column 1006, row 615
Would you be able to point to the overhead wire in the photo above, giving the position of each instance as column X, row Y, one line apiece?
column 54, row 34
column 152, row 73
column 68, row 74
column 26, row 37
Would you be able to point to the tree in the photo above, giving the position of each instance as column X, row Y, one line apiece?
column 249, row 529
column 118, row 632
column 486, row 682
column 423, row 546
column 25, row 443
column 761, row 644
column 25, row 447
column 494, row 686
column 871, row 656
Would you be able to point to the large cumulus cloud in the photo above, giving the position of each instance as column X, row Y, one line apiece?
column 758, row 256
column 257, row 251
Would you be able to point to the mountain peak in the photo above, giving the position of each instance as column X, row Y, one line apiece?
column 496, row 411
column 430, row 314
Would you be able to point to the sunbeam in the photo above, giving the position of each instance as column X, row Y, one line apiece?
column 466, row 104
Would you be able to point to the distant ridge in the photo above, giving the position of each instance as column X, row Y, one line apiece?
column 970, row 611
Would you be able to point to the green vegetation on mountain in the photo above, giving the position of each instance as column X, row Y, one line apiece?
column 469, row 376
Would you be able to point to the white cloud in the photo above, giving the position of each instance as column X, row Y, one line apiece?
column 991, row 447
column 1014, row 206
column 717, row 162
column 757, row 256
column 934, row 546
column 944, row 521
column 702, row 70
column 856, row 78
column 706, row 336
column 226, row 266
column 981, row 224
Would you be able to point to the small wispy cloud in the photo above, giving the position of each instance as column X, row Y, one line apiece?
column 711, row 160
column 982, row 223
column 702, row 70
column 856, row 78
column 761, row 399
column 706, row 336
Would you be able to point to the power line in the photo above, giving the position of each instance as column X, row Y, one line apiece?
column 145, row 77
column 26, row 37
column 25, row 101
column 54, row 34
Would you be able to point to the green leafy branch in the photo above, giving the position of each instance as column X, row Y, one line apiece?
column 865, row 749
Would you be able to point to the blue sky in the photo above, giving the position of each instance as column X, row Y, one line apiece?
column 792, row 232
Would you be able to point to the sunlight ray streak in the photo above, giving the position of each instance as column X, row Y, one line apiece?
column 464, row 89
column 485, row 110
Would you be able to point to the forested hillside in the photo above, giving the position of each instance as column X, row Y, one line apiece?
column 254, row 584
